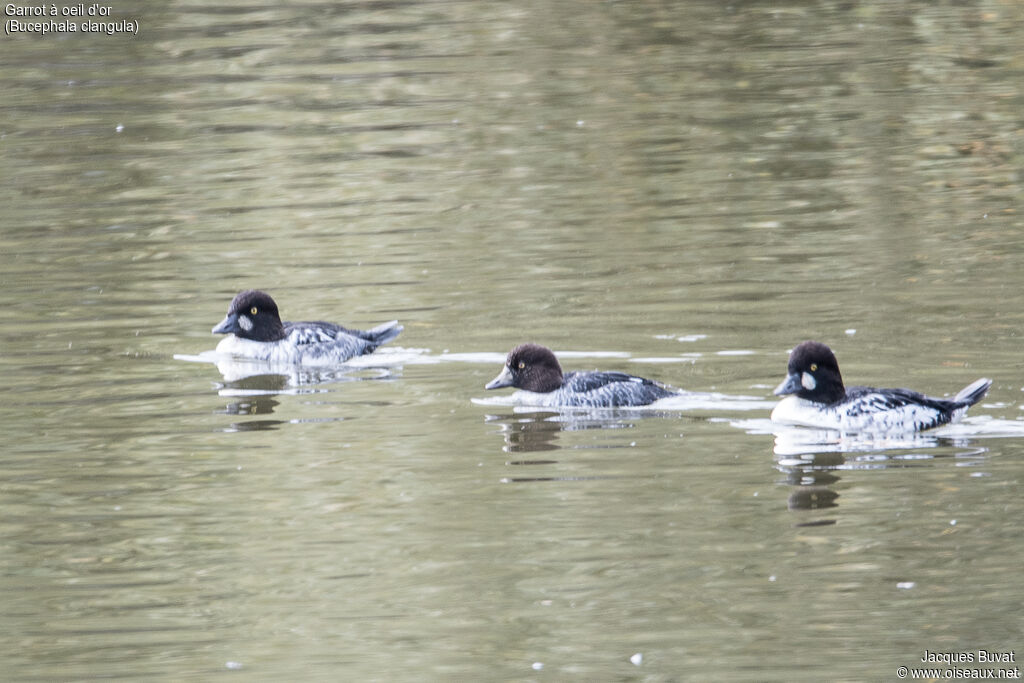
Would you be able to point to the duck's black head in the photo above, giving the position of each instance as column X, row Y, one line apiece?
column 531, row 367
column 252, row 315
column 813, row 374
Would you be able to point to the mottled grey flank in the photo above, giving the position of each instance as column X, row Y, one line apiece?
column 599, row 390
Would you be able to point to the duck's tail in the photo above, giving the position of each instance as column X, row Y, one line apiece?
column 382, row 334
column 973, row 392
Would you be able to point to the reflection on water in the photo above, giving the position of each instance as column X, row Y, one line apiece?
column 254, row 405
column 530, row 432
column 797, row 441
column 525, row 432
column 694, row 190
column 242, row 374
column 254, row 425
column 246, row 375
column 812, row 459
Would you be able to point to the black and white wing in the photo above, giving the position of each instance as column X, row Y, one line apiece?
column 316, row 342
column 867, row 409
column 610, row 390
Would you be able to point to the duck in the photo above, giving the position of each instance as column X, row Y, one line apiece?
column 816, row 397
column 535, row 371
column 255, row 332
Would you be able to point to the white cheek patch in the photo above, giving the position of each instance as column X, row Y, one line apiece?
column 244, row 322
column 808, row 382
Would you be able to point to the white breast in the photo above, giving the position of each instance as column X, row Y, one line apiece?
column 273, row 352
column 794, row 410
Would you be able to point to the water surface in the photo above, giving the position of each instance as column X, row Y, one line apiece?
column 679, row 191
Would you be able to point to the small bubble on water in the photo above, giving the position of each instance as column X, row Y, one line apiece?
column 537, row 666
column 637, row 659
column 234, row 666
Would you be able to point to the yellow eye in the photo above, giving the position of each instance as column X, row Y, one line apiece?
column 522, row 365
column 814, row 366
column 253, row 310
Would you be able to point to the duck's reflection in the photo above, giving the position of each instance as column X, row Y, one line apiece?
column 813, row 479
column 538, row 432
column 255, row 390
column 252, row 405
column 812, row 460
column 813, row 498
column 237, row 372
column 256, row 386
column 797, row 441
column 526, row 431
column 256, row 404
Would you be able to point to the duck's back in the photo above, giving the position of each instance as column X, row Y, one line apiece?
column 609, row 390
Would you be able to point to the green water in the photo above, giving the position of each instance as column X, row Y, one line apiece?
column 678, row 190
